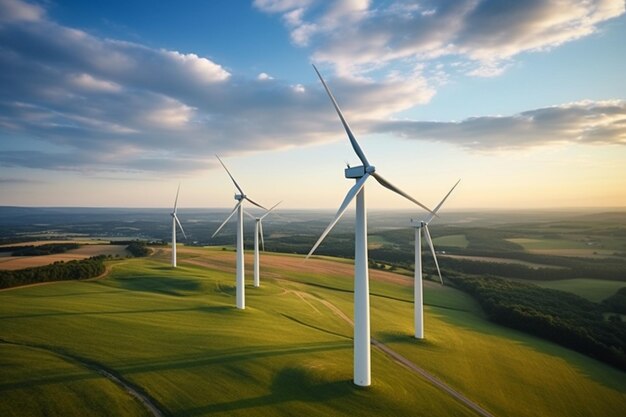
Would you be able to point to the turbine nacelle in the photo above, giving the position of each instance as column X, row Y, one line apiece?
column 240, row 197
column 359, row 172
column 418, row 224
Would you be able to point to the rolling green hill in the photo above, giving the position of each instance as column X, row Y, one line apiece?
column 175, row 337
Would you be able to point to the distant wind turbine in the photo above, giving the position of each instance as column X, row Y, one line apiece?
column 174, row 222
column 362, row 358
column 258, row 231
column 422, row 226
column 240, row 280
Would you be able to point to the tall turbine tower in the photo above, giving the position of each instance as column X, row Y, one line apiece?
column 174, row 222
column 418, row 299
column 240, row 281
column 362, row 361
column 258, row 231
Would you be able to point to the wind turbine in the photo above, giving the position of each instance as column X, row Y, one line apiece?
column 240, row 282
column 422, row 226
column 174, row 222
column 258, row 231
column 362, row 359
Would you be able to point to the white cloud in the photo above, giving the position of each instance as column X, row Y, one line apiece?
column 19, row 11
column 204, row 70
column 87, row 82
column 264, row 77
column 585, row 122
column 356, row 36
column 280, row 6
column 299, row 88
column 169, row 114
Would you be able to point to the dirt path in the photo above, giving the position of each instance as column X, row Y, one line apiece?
column 135, row 392
column 401, row 360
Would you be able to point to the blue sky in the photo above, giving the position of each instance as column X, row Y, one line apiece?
column 113, row 103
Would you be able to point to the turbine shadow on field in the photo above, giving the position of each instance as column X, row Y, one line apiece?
column 205, row 309
column 311, row 326
column 405, row 338
column 251, row 353
column 160, row 285
column 289, row 384
column 72, row 294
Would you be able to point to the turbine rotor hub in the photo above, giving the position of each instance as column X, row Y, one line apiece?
column 239, row 197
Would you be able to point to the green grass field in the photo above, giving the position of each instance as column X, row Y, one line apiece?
column 456, row 241
column 592, row 289
column 176, row 336
column 569, row 247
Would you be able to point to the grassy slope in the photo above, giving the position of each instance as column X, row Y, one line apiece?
column 35, row 382
column 177, row 336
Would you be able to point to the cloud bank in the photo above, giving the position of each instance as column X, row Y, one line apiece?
column 359, row 35
column 70, row 100
column 587, row 122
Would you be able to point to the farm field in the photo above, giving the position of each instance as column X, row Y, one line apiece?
column 455, row 241
column 499, row 260
column 563, row 247
column 592, row 289
column 86, row 251
column 175, row 336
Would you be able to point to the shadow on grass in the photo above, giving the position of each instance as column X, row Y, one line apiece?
column 234, row 355
column 205, row 309
column 311, row 326
column 73, row 294
column 289, row 384
column 160, row 285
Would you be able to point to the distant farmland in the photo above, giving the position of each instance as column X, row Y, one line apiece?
column 86, row 251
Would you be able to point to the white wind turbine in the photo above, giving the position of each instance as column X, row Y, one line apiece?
column 258, row 231
column 362, row 361
column 174, row 222
column 422, row 226
column 240, row 282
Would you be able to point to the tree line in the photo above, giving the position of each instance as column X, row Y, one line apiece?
column 58, row 271
column 561, row 317
column 138, row 248
column 40, row 250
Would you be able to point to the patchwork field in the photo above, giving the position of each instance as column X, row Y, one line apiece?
column 176, row 339
column 591, row 289
column 564, row 247
column 499, row 260
column 86, row 251
column 456, row 241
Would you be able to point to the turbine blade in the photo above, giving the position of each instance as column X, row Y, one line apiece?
column 231, row 177
column 249, row 215
column 180, row 225
column 353, row 142
column 396, row 190
column 346, row 202
column 176, row 200
column 261, row 233
column 442, row 201
column 256, row 204
column 227, row 219
column 272, row 208
column 432, row 250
